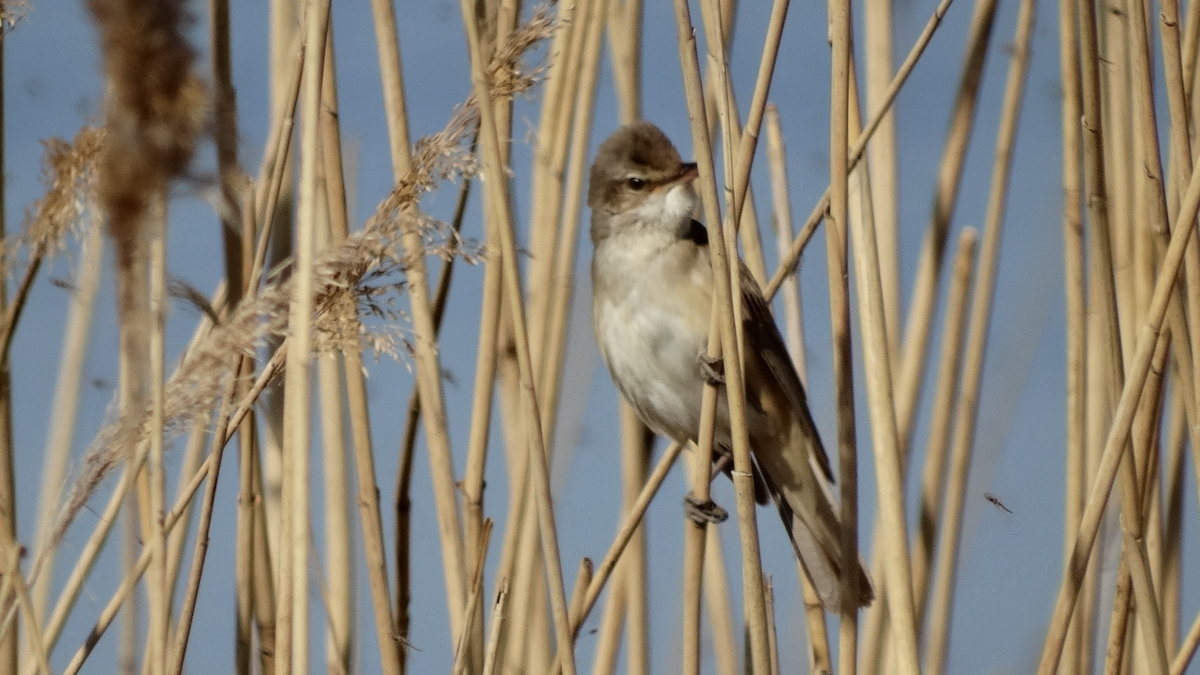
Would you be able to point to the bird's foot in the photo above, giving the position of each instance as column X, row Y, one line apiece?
column 703, row 512
column 712, row 370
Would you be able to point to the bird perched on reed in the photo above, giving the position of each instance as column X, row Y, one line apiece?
column 652, row 293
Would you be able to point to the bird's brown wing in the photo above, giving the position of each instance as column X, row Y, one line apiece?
column 789, row 455
column 766, row 351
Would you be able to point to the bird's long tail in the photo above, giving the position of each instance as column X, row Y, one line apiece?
column 819, row 552
column 802, row 494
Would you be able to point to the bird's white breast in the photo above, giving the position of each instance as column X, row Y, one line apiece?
column 651, row 323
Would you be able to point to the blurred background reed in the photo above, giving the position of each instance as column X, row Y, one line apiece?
column 297, row 374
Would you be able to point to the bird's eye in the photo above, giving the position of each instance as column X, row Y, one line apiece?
column 635, row 183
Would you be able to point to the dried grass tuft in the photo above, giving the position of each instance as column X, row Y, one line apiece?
column 11, row 13
column 366, row 269
column 69, row 174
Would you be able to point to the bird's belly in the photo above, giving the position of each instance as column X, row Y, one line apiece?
column 651, row 351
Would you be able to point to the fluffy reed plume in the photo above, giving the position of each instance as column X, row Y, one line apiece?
column 362, row 269
column 11, row 13
column 69, row 174
column 155, row 105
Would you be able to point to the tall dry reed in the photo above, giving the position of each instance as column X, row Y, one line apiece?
column 309, row 299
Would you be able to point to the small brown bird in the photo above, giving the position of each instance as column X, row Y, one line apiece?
column 652, row 290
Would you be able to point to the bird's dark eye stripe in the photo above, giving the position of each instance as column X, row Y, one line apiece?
column 635, row 183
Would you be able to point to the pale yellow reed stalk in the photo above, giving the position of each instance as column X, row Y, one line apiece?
column 461, row 647
column 727, row 305
column 496, row 632
column 856, row 151
column 1118, row 436
column 723, row 630
column 772, row 635
column 950, row 176
column 636, row 445
column 941, row 421
column 977, row 340
column 1073, row 280
column 429, row 369
column 341, row 604
column 501, row 218
column 886, row 444
column 179, row 641
column 566, row 226
column 884, row 174
column 695, row 533
column 629, row 525
column 21, row 590
column 1187, row 649
column 8, row 496
column 65, row 407
column 293, row 641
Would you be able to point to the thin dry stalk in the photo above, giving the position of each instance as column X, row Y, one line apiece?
column 490, row 659
column 1118, row 435
column 727, row 305
column 1107, row 264
column 472, row 484
column 481, row 404
column 881, row 404
column 748, row 138
column 882, row 165
column 276, row 167
column 339, row 531
column 179, row 644
column 772, row 637
column 428, row 362
column 137, row 569
column 933, row 478
column 65, row 407
column 501, row 218
column 856, row 151
column 977, row 339
column 551, row 147
column 583, row 579
column 371, row 520
column 625, row 46
column 1187, row 649
column 950, row 174
column 1171, row 572
column 192, row 457
column 818, row 634
column 629, row 525
column 461, row 649
column 158, row 586
column 820, row 656
column 608, row 639
column 292, row 639
column 1073, row 280
column 1116, row 649
column 637, row 443
column 8, row 497
column 566, row 227
column 723, row 631
column 25, row 603
column 695, row 535
column 793, row 321
column 1181, row 161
